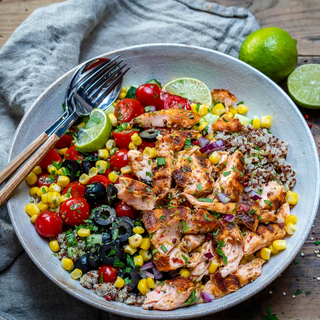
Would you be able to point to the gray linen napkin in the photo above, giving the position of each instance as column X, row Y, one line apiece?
column 52, row 41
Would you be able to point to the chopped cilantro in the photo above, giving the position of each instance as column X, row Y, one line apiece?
column 185, row 258
column 164, row 248
column 224, row 119
column 205, row 200
column 199, row 186
column 206, row 217
column 192, row 298
column 161, row 161
column 297, row 292
column 296, row 261
column 154, row 251
column 226, row 173
column 234, row 169
column 268, row 202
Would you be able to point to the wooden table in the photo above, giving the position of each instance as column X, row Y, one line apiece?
column 301, row 18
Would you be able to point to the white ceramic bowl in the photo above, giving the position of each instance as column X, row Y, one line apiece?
column 166, row 62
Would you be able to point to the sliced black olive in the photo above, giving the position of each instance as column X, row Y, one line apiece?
column 88, row 163
column 130, row 276
column 95, row 193
column 106, row 237
column 122, row 228
column 149, row 135
column 109, row 251
column 73, row 168
column 93, row 256
column 112, row 193
column 104, row 215
column 83, row 264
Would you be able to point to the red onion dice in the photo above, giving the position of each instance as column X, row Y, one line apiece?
column 228, row 217
column 223, row 197
column 209, row 255
column 203, row 142
column 207, row 297
column 146, row 266
column 214, row 146
column 149, row 274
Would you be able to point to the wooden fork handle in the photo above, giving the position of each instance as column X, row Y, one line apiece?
column 15, row 164
column 18, row 178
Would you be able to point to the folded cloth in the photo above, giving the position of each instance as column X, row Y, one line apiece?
column 52, row 41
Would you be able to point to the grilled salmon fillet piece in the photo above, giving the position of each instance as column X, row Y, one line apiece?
column 226, row 123
column 171, row 118
column 141, row 165
column 245, row 274
column 273, row 196
column 283, row 212
column 193, row 241
column 231, row 179
column 263, row 237
column 136, row 194
column 169, row 295
column 223, row 96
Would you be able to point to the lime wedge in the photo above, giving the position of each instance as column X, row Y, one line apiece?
column 190, row 89
column 304, row 86
column 96, row 132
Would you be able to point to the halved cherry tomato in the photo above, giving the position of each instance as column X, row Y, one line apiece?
column 107, row 273
column 44, row 180
column 74, row 211
column 176, row 102
column 73, row 154
column 97, row 63
column 51, row 156
column 145, row 144
column 77, row 190
column 123, row 210
column 123, row 138
column 48, row 224
column 148, row 94
column 119, row 159
column 100, row 178
column 64, row 141
column 127, row 109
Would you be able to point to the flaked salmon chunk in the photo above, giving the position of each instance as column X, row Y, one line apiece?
column 141, row 165
column 273, row 196
column 223, row 96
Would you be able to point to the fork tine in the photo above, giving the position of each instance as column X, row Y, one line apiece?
column 110, row 87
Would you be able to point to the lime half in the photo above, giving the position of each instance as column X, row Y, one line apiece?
column 96, row 132
column 304, row 86
column 190, row 89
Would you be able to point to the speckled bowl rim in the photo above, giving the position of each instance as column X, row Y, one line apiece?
column 186, row 313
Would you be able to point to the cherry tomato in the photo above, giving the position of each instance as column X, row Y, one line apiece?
column 97, row 63
column 127, row 109
column 148, row 94
column 44, row 180
column 107, row 273
column 119, row 159
column 51, row 156
column 123, row 210
column 48, row 224
column 176, row 102
column 123, row 138
column 195, row 142
column 77, row 189
column 74, row 211
column 73, row 154
column 163, row 96
column 64, row 141
column 145, row 144
column 100, row 178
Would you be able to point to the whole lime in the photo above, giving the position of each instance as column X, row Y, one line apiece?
column 271, row 51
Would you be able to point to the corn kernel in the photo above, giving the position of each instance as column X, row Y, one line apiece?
column 110, row 144
column 266, row 122
column 52, row 168
column 54, row 245
column 135, row 241
column 138, row 230
column 34, row 218
column 209, row 136
column 146, row 244
column 150, row 152
column 290, row 228
column 124, row 89
column 103, row 154
column 146, row 255
column 42, row 190
column 37, row 170
column 93, row 172
column 291, row 219
column 230, row 114
column 32, row 209
column 64, row 198
column 242, row 109
column 214, row 157
column 218, row 109
column 62, row 172
column 113, row 119
column 204, row 109
column 84, row 178
column 194, row 107
column 33, row 191
column 54, row 188
column 66, row 264
column 184, row 273
column 273, row 250
column 143, row 287
column 76, row 274
column 113, row 176
column 135, row 138
column 44, row 198
column 83, row 232
column 138, row 261
column 250, row 257
column 102, row 166
column 31, row 179
column 132, row 146
column 150, row 283
column 195, row 128
column 233, row 109
column 292, row 198
column 122, row 95
column 199, row 135
column 265, row 253
column 213, row 266
column 256, row 123
column 202, row 126
column 119, row 283
column 53, row 199
column 126, row 169
column 280, row 244
column 243, row 260
column 43, row 206
column 63, row 181
column 130, row 250
column 62, row 151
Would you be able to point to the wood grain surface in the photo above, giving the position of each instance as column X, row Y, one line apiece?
column 301, row 18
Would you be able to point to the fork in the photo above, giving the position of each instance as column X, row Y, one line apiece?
column 85, row 96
